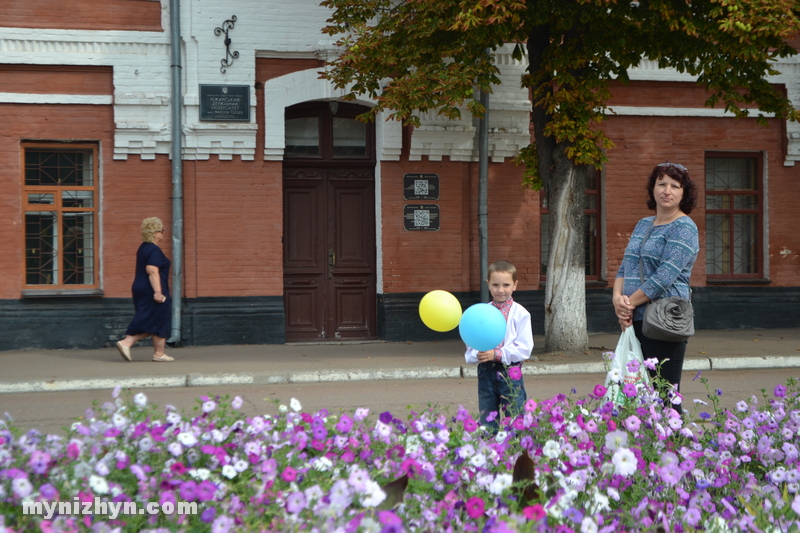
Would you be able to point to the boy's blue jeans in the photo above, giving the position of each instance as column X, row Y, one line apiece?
column 496, row 390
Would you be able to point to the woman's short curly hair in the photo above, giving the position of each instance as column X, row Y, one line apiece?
column 150, row 226
column 678, row 173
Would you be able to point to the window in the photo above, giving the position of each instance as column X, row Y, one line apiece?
column 60, row 209
column 327, row 131
column 733, row 216
column 591, row 237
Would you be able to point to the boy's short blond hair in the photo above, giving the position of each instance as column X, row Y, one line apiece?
column 502, row 266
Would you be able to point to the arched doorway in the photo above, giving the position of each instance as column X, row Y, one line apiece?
column 329, row 224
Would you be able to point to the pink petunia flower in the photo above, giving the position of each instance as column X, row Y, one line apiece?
column 534, row 512
column 289, row 474
column 470, row 425
column 515, row 373
column 475, row 507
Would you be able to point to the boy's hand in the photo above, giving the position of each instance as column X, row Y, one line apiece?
column 486, row 357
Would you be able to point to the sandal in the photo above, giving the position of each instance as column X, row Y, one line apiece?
column 163, row 358
column 124, row 351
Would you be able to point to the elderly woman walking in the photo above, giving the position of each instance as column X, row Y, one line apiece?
column 150, row 294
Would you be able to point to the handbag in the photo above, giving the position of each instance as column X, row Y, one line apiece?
column 628, row 349
column 668, row 319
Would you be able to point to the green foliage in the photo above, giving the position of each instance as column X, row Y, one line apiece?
column 433, row 55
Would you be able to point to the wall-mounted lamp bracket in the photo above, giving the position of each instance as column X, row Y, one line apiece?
column 229, row 56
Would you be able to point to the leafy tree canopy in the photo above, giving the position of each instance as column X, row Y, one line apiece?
column 415, row 56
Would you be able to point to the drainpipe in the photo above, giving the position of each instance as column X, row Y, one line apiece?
column 483, row 196
column 177, row 171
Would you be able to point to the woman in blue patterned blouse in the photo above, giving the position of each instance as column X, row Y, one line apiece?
column 669, row 252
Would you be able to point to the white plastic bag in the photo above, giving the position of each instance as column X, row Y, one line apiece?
column 621, row 372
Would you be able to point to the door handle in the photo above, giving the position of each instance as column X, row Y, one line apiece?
column 331, row 258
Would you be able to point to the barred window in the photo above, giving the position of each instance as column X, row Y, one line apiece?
column 60, row 208
column 591, row 237
column 733, row 216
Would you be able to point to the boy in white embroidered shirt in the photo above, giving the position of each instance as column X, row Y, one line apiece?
column 500, row 383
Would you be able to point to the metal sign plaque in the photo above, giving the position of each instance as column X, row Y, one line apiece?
column 421, row 186
column 421, row 217
column 228, row 103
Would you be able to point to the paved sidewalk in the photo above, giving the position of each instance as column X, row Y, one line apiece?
column 64, row 370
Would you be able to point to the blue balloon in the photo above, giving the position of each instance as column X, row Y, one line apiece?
column 482, row 327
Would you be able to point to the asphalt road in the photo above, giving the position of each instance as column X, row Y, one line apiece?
column 50, row 412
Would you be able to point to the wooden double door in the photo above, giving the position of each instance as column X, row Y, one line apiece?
column 329, row 225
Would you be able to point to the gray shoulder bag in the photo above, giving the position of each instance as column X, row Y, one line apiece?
column 668, row 319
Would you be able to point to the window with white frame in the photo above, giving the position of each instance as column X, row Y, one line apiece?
column 59, row 188
column 733, row 216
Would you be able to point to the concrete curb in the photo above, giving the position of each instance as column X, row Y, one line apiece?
column 465, row 371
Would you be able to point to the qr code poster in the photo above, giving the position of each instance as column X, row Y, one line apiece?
column 421, row 186
column 421, row 217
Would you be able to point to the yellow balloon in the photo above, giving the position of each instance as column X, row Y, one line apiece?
column 440, row 311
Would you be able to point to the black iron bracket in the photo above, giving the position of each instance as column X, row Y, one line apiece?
column 227, row 61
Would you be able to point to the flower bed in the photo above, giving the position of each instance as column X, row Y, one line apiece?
column 564, row 464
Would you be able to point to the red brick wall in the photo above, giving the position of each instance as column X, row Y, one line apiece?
column 234, row 223
column 659, row 94
column 127, row 15
column 61, row 79
column 448, row 259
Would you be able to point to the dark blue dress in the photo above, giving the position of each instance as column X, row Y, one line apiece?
column 151, row 317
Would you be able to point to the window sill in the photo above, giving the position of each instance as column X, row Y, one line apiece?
column 739, row 281
column 71, row 293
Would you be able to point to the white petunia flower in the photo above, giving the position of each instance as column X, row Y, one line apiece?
column 140, row 399
column 228, row 471
column 466, row 451
column 373, row 496
column 294, row 403
column 175, row 448
column 119, row 421
column 477, row 460
column 187, row 439
column 323, row 464
column 588, row 525
column 500, row 483
column 551, row 449
column 98, row 484
column 625, row 463
column 146, row 444
column 200, row 473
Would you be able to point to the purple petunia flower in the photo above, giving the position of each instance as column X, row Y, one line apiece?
column 386, row 417
column 39, row 461
column 780, row 391
column 188, row 491
column 296, row 502
column 345, row 424
column 205, row 491
column 450, row 477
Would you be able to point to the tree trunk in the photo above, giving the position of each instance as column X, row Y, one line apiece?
column 564, row 184
column 565, row 292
